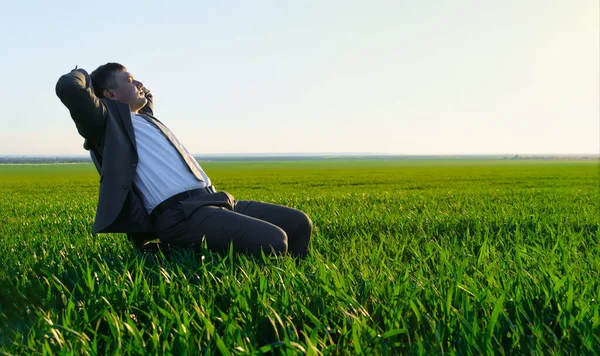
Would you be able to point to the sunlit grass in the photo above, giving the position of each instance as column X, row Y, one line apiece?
column 407, row 257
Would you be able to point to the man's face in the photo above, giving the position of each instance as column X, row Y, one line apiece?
column 128, row 90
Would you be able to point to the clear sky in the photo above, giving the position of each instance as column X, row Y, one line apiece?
column 404, row 77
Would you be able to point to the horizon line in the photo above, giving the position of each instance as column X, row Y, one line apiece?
column 276, row 154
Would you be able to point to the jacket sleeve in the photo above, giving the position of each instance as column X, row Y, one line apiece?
column 89, row 113
column 149, row 107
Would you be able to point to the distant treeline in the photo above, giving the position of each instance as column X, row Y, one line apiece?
column 205, row 158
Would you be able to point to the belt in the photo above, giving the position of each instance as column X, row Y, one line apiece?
column 177, row 198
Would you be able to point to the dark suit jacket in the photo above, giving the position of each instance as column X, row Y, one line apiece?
column 108, row 131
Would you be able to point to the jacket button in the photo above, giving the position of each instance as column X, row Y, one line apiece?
column 125, row 186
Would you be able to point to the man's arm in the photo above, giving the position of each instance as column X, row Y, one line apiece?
column 89, row 113
column 149, row 107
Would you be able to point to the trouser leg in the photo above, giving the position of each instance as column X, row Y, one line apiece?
column 296, row 224
column 220, row 228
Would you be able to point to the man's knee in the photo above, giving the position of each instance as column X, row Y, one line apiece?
column 305, row 225
column 278, row 242
column 270, row 241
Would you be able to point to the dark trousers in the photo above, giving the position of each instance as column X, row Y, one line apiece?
column 249, row 225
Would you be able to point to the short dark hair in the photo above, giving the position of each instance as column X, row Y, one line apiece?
column 104, row 77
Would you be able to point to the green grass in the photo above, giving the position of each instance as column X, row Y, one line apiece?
column 423, row 257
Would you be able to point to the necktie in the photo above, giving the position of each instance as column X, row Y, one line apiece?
column 185, row 155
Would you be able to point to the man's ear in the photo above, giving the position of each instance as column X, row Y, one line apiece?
column 109, row 94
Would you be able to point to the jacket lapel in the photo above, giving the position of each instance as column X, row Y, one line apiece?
column 125, row 115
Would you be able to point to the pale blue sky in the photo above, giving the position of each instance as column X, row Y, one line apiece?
column 437, row 77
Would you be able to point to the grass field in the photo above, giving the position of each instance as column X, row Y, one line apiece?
column 417, row 257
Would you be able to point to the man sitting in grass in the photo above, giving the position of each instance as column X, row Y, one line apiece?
column 150, row 185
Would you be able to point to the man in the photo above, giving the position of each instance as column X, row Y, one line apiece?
column 151, row 187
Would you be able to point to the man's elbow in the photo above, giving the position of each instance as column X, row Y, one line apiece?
column 69, row 82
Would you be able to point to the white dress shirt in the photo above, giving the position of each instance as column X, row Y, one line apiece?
column 161, row 172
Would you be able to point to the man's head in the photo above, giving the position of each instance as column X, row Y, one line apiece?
column 111, row 80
